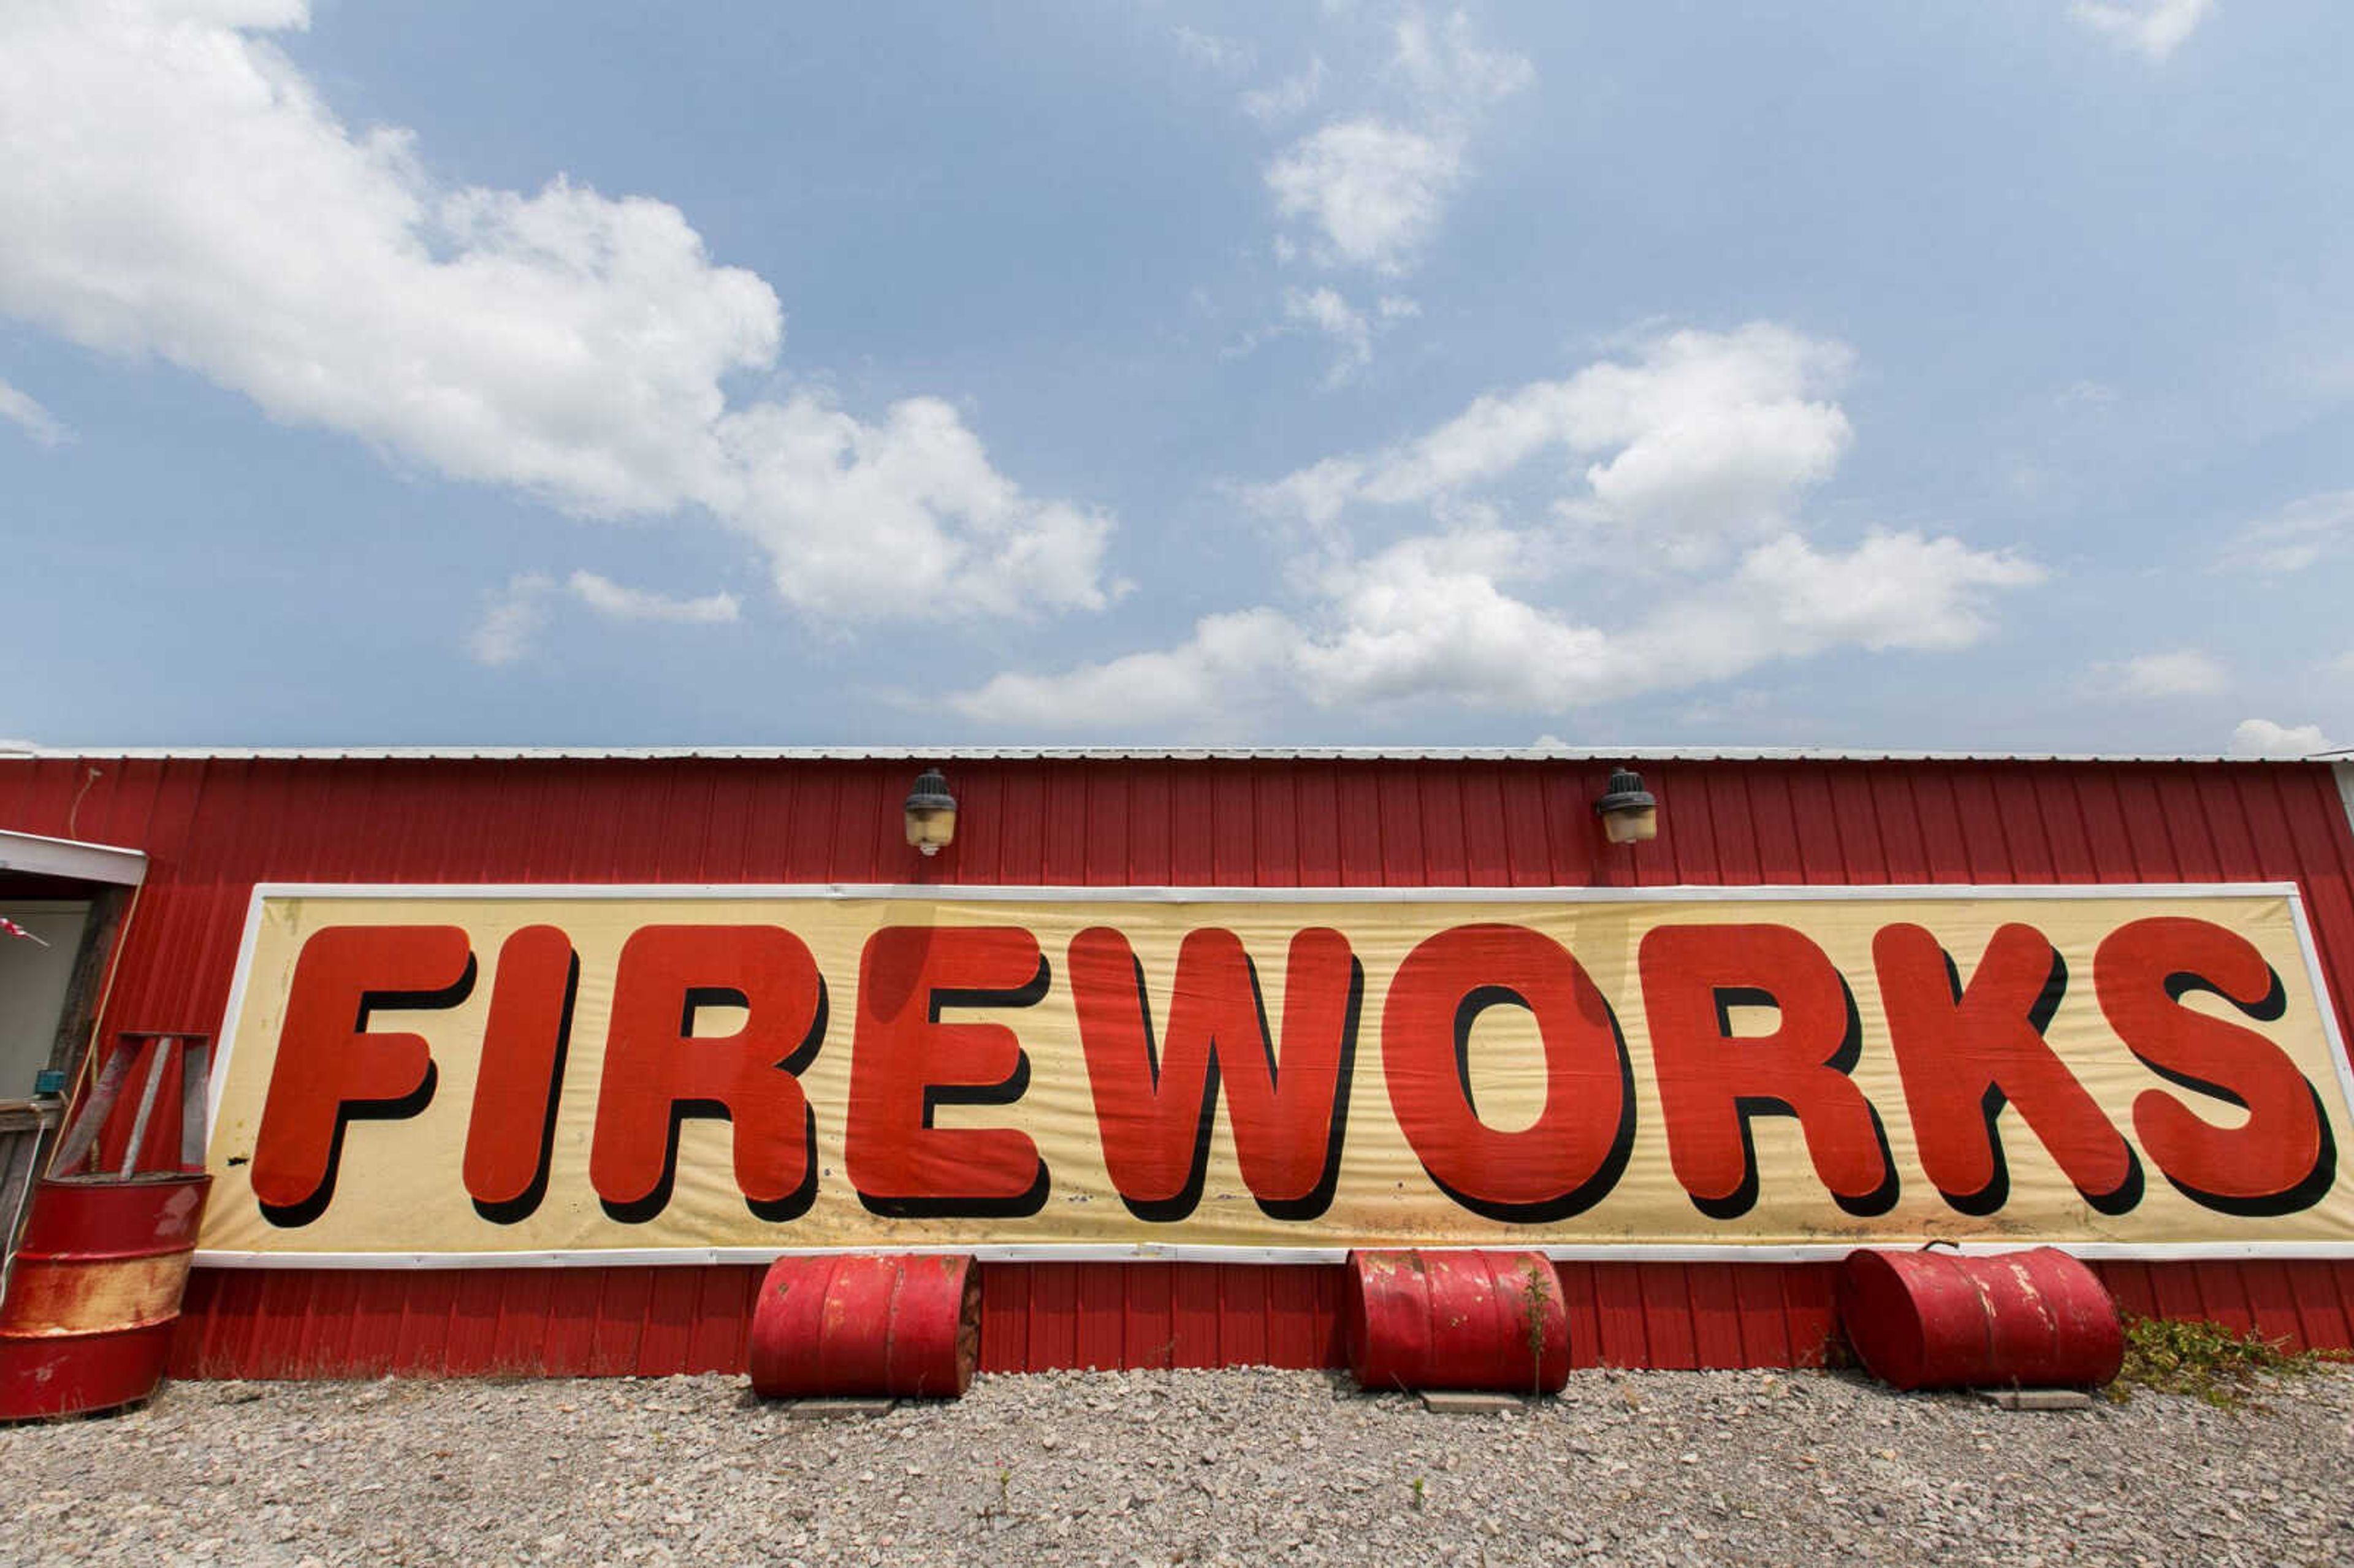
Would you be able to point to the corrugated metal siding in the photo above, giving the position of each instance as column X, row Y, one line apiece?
column 213, row 827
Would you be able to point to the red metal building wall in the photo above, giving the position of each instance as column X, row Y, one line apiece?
column 213, row 827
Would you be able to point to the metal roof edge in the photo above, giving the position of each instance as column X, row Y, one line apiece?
column 87, row 862
column 1106, row 754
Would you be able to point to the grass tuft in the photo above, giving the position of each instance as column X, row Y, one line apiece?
column 2206, row 1360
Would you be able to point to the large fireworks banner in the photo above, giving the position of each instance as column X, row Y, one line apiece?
column 452, row 1074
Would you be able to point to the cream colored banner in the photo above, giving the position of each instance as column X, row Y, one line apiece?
column 580, row 1074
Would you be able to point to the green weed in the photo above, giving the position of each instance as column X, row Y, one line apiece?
column 2206, row 1360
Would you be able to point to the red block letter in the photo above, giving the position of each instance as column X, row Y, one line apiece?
column 332, row 1071
column 1966, row 1054
column 658, row 1073
column 1155, row 1107
column 1711, row 1081
column 511, row 1137
column 906, row 1063
column 2284, row 1157
column 1566, row 1163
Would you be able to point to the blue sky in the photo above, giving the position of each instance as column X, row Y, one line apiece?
column 1839, row 375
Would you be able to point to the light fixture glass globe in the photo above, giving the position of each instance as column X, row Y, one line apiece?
column 1631, row 827
column 931, row 813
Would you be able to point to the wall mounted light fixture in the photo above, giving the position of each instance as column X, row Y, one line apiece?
column 1629, row 814
column 931, row 812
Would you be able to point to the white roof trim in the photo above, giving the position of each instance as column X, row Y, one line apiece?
column 64, row 857
column 1097, row 754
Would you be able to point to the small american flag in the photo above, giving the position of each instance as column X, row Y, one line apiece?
column 10, row 928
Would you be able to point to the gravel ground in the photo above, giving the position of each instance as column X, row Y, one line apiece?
column 1196, row 1467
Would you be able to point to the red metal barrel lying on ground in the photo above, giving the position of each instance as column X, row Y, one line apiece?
column 87, row 1322
column 2033, row 1318
column 1457, row 1321
column 859, row 1325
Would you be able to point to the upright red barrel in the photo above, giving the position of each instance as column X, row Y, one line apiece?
column 2032, row 1318
column 87, row 1322
column 1457, row 1321
column 857, row 1324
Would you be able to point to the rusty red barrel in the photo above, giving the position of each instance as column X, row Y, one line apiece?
column 87, row 1322
column 858, row 1324
column 2032, row 1318
column 1457, row 1321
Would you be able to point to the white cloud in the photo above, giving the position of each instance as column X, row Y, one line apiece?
column 20, row 411
column 177, row 187
column 1374, row 186
column 1451, row 75
column 1292, row 96
column 512, row 622
column 1353, row 331
column 2302, row 534
column 2263, row 737
column 1327, row 312
column 1316, row 494
column 2155, row 28
column 2185, row 673
column 610, row 599
column 1375, row 190
column 519, row 614
column 1705, row 437
column 907, row 512
column 1228, row 669
column 1220, row 54
column 1429, row 619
